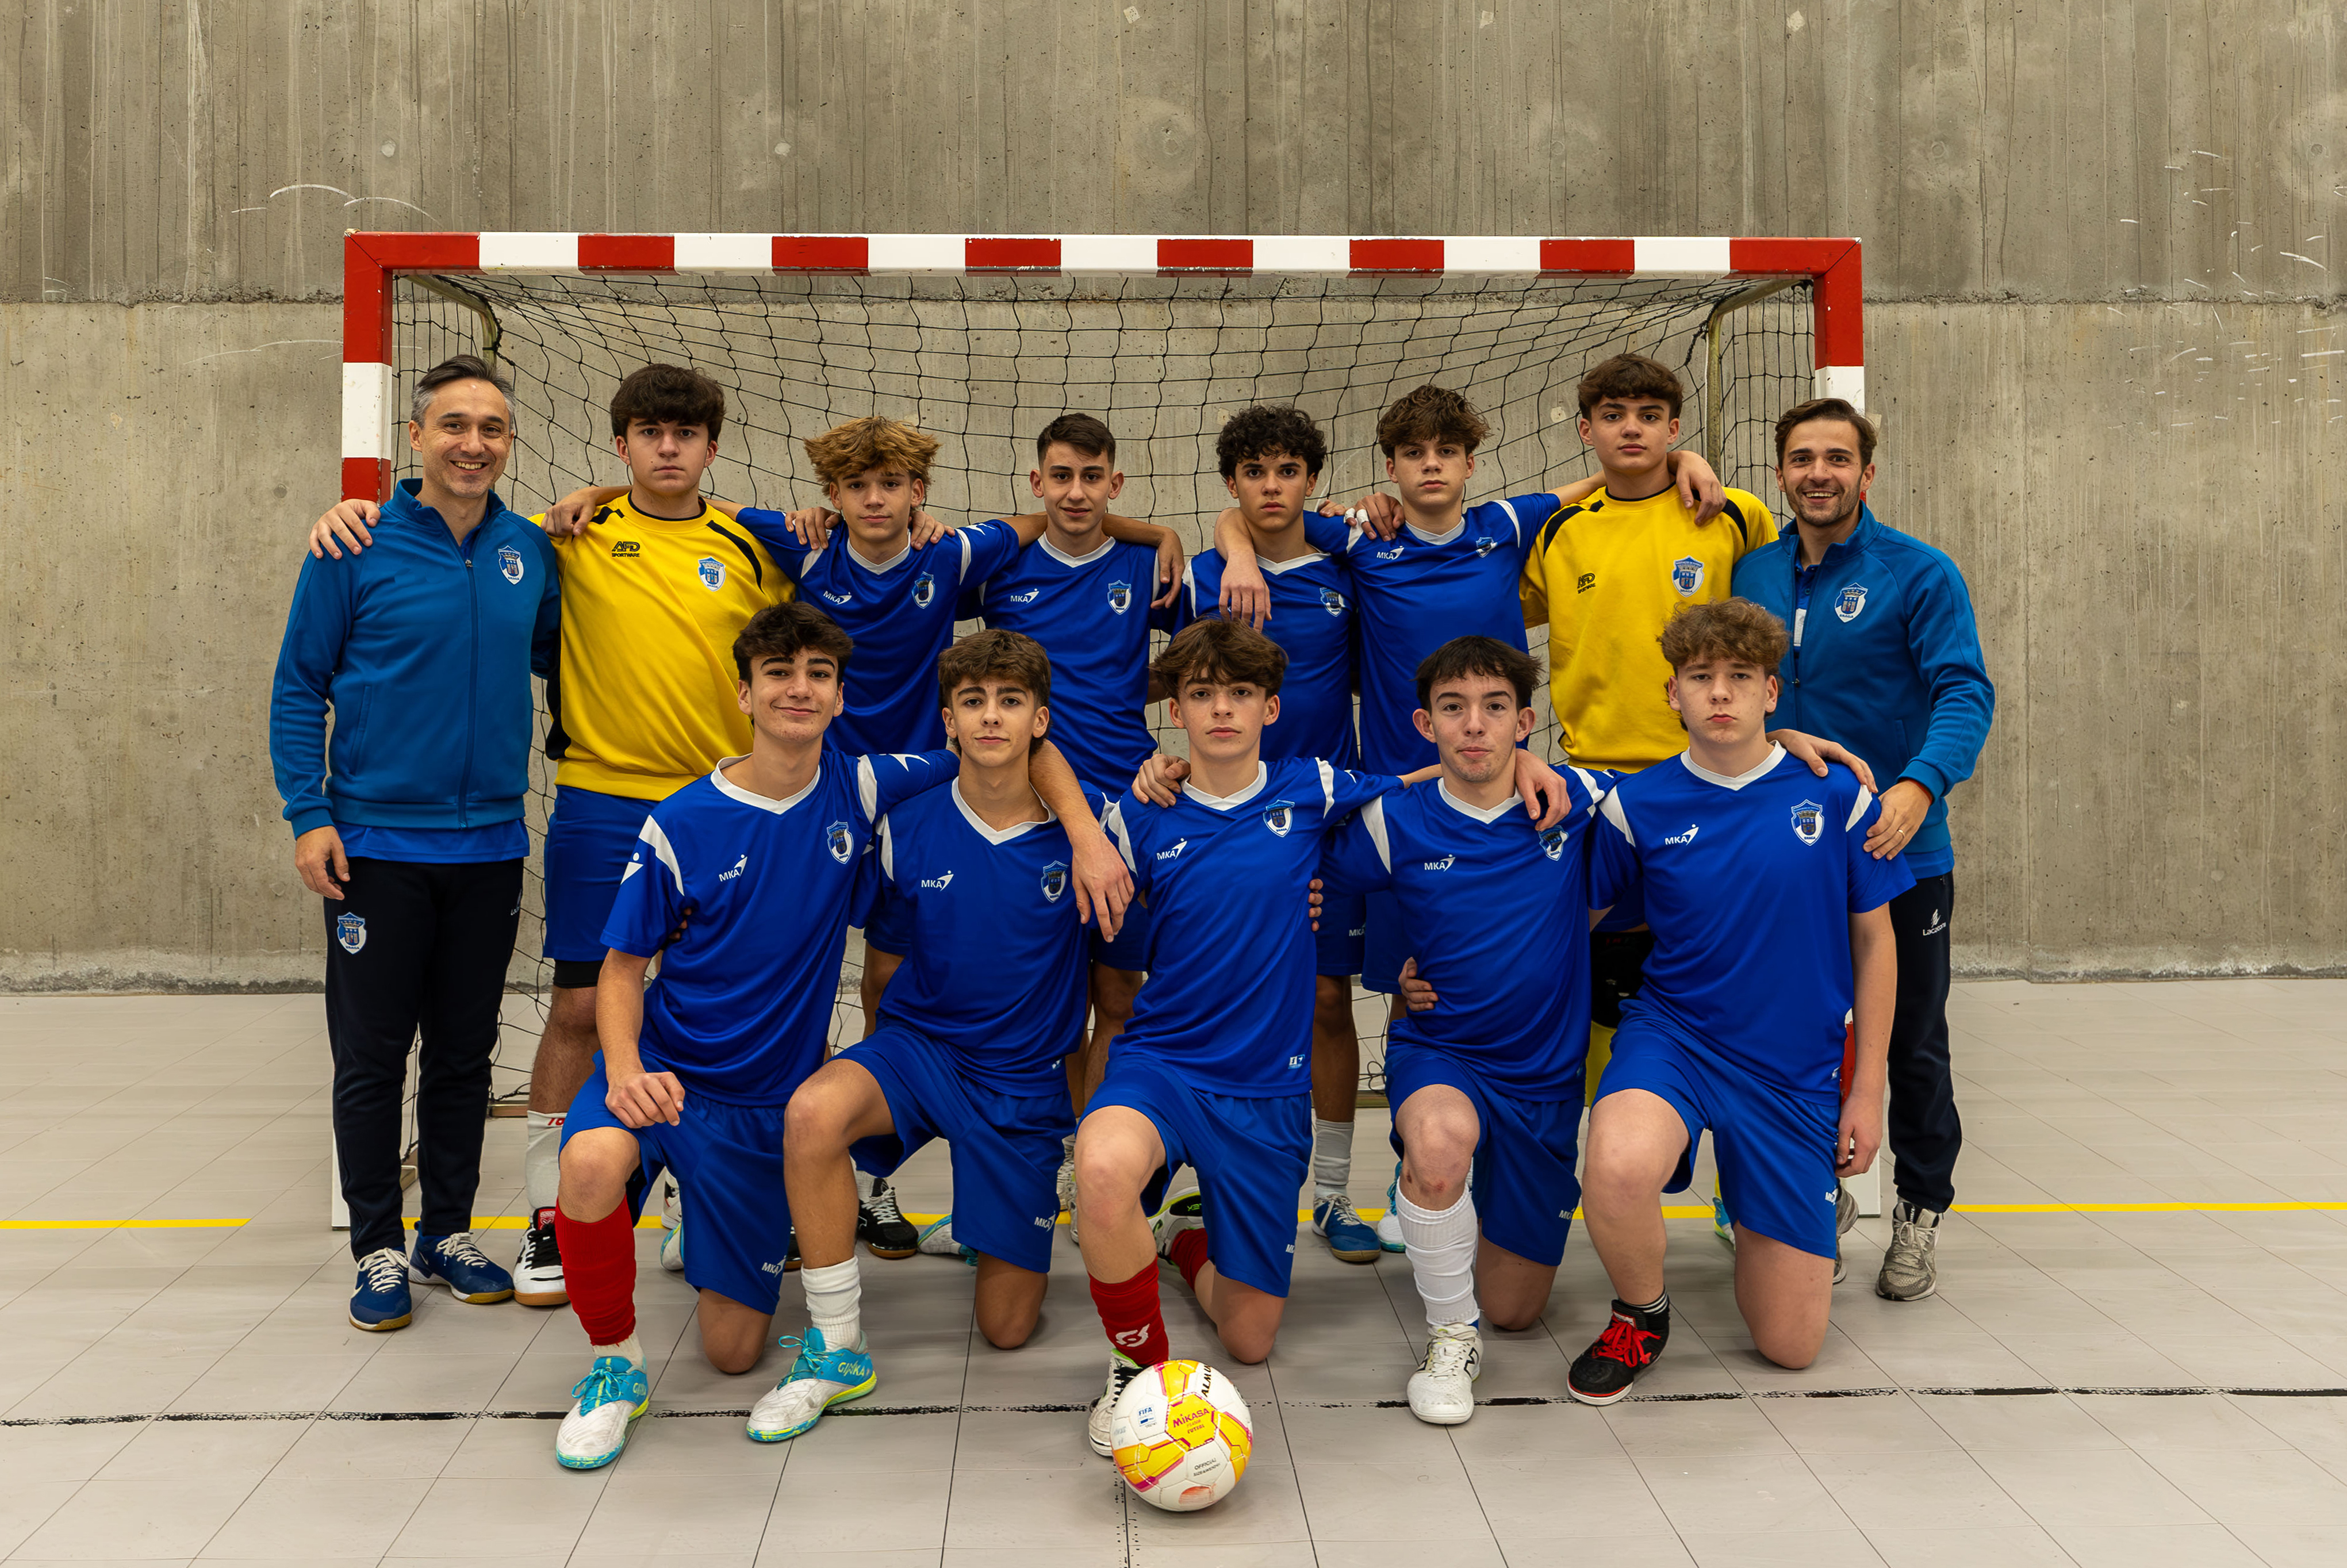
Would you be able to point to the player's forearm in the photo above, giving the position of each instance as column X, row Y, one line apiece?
column 1232, row 538
column 1057, row 787
column 1874, row 966
column 620, row 1012
column 1132, row 530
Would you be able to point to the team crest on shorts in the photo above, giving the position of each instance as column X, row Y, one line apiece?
column 510, row 564
column 350, row 930
column 839, row 841
column 1055, row 881
column 1553, row 840
column 1279, row 816
column 713, row 573
column 1687, row 576
column 1332, row 601
column 925, row 589
column 1808, row 821
column 1120, row 597
column 1852, row 600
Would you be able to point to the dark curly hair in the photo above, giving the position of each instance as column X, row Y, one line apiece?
column 1270, row 430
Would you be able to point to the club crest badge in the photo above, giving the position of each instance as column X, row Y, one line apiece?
column 1279, row 816
column 1055, row 881
column 1120, row 597
column 350, row 930
column 839, row 841
column 1332, row 601
column 1687, row 576
column 510, row 564
column 925, row 589
column 1485, row 544
column 1808, row 821
column 1852, row 600
column 713, row 573
column 1553, row 840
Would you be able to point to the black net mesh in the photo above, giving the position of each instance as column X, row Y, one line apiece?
column 983, row 362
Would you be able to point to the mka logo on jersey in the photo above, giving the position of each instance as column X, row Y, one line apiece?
column 1055, row 881
column 509, row 563
column 1852, row 600
column 1687, row 576
column 350, row 932
column 713, row 573
column 1120, row 597
column 1808, row 821
column 839, row 841
column 1279, row 816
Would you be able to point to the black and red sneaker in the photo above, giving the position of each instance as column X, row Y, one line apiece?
column 1603, row 1373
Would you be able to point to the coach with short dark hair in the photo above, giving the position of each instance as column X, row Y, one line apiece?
column 410, row 824
column 1886, row 659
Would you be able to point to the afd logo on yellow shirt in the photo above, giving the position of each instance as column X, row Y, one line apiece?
column 626, row 549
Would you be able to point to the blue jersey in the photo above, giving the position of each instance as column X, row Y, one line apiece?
column 1415, row 593
column 998, row 961
column 1228, row 1002
column 1750, row 886
column 1092, row 616
column 1312, row 619
column 900, row 615
column 1496, row 911
column 747, row 901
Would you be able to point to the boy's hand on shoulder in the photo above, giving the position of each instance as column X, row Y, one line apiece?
column 1379, row 515
column 1547, row 799
column 344, row 523
column 1904, row 804
column 1816, row 753
column 928, row 529
column 1699, row 488
column 813, row 525
column 1158, row 781
column 1103, row 886
column 1169, row 569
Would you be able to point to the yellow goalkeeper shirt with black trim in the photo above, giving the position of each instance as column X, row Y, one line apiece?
column 1603, row 577
column 643, row 701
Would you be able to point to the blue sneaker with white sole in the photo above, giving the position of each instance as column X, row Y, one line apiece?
column 454, row 1261
column 607, row 1402
column 819, row 1379
column 380, row 1302
column 1389, row 1223
column 1349, row 1237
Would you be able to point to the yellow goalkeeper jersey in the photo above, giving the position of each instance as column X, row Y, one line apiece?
column 1603, row 577
column 643, row 701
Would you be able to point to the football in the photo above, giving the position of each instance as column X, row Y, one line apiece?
column 1182, row 1436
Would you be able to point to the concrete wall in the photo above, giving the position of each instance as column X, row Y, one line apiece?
column 2098, row 257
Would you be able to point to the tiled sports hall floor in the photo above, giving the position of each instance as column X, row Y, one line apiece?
column 2138, row 1355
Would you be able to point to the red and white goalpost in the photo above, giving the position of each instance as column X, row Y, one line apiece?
column 981, row 339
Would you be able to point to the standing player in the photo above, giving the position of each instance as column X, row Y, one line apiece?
column 1270, row 458
column 1731, row 1033
column 743, row 884
column 1488, row 1080
column 1884, row 649
column 640, row 704
column 409, row 827
column 1213, row 1073
column 971, row 1038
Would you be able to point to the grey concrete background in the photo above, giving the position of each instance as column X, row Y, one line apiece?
column 2107, row 342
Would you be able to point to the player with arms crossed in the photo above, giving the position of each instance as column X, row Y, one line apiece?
column 1771, row 923
column 1214, row 1070
column 743, row 883
column 641, row 705
column 972, row 1033
column 1270, row 457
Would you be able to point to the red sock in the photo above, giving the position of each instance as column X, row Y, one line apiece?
column 598, row 1269
column 1128, row 1310
column 1187, row 1252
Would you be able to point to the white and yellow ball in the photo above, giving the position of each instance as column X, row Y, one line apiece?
column 1182, row 1436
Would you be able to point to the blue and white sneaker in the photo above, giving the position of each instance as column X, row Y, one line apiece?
column 819, row 1379
column 1349, row 1237
column 673, row 1245
column 379, row 1303
column 1723, row 1223
column 454, row 1261
column 937, row 1241
column 1389, row 1223
column 607, row 1402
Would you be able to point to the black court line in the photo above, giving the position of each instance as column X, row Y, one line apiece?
column 2196, row 1391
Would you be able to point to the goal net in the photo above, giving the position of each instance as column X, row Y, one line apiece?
column 982, row 362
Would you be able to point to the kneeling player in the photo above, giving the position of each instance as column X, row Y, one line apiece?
column 973, row 1030
column 743, row 883
column 1495, row 911
column 1771, row 923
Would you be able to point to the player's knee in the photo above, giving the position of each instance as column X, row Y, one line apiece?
column 815, row 1119
column 1008, row 1328
column 1249, row 1345
column 1513, row 1319
column 1792, row 1351
column 731, row 1356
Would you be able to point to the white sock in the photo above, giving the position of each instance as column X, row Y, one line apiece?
column 835, row 1296
column 541, row 1160
column 630, row 1349
column 1332, row 1158
column 1441, row 1248
column 864, row 1180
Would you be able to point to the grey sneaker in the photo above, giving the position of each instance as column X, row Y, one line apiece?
column 1911, row 1268
column 1845, row 1217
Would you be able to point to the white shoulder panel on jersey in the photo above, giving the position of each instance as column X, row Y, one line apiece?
column 1858, row 808
column 1609, row 808
column 1515, row 521
column 1112, row 824
column 657, row 842
column 1373, row 817
column 867, row 787
column 1327, row 784
column 1589, row 783
column 887, row 851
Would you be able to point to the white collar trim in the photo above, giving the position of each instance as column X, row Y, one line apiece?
column 1443, row 537
column 998, row 835
column 1776, row 755
column 732, row 791
column 1275, row 567
column 884, row 568
column 1481, row 813
column 1064, row 558
column 1226, row 801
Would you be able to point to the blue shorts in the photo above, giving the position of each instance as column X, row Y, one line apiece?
column 1775, row 1148
column 1252, row 1157
column 1384, row 944
column 888, row 926
column 729, row 1161
column 1005, row 1147
column 1336, row 945
column 1525, row 1189
column 1130, row 948
column 589, row 840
